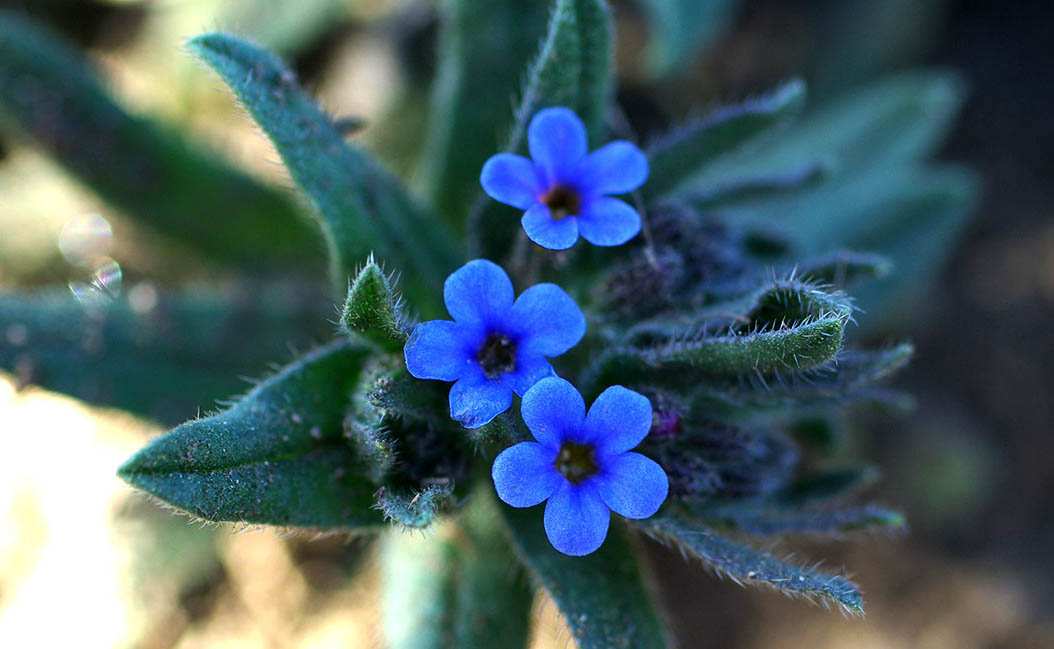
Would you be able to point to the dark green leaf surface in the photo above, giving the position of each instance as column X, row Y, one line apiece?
column 461, row 588
column 896, row 120
column 277, row 457
column 482, row 47
column 821, row 523
column 362, row 207
column 748, row 566
column 678, row 156
column 682, row 29
column 601, row 595
column 167, row 361
column 152, row 175
column 575, row 69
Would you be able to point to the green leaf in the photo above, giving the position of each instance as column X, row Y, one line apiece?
column 748, row 566
column 896, row 120
column 460, row 588
column 155, row 177
column 362, row 207
column 164, row 360
column 575, row 69
column 374, row 309
column 415, row 509
column 844, row 267
column 278, row 457
column 678, row 156
column 682, row 29
column 482, row 47
column 913, row 216
column 601, row 595
column 822, row 523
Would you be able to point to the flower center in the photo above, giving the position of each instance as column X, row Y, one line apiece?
column 562, row 202
column 497, row 356
column 575, row 461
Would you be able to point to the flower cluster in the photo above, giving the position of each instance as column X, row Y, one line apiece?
column 495, row 346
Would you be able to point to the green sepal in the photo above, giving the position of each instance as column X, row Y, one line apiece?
column 415, row 508
column 746, row 565
column 362, row 207
column 376, row 450
column 278, row 457
column 678, row 156
column 196, row 343
column 601, row 595
column 374, row 309
column 150, row 173
column 574, row 69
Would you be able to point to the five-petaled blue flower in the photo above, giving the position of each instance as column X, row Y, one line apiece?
column 494, row 346
column 564, row 189
column 581, row 463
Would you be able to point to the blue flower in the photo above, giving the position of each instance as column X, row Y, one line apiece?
column 581, row 463
column 494, row 346
column 564, row 189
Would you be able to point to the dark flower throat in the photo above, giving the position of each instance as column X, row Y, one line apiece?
column 575, row 462
column 497, row 356
column 562, row 202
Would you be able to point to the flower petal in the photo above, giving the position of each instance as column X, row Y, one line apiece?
column 614, row 168
column 632, row 485
column 438, row 349
column 552, row 409
column 576, row 519
column 542, row 229
column 606, row 221
column 530, row 368
column 511, row 179
column 618, row 420
column 479, row 291
column 549, row 321
column 524, row 474
column 474, row 400
column 557, row 141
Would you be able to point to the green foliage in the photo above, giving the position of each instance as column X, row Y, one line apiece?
column 196, row 343
column 459, row 589
column 601, row 596
column 727, row 313
column 574, row 68
column 482, row 47
column 151, row 174
column 678, row 155
column 277, row 457
column 361, row 206
column 681, row 29
column 746, row 565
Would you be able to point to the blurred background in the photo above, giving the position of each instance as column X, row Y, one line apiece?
column 86, row 562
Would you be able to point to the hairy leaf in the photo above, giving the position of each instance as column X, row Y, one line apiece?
column 154, row 176
column 362, row 207
column 165, row 360
column 461, row 588
column 601, row 595
column 679, row 155
column 278, row 457
column 749, row 566
column 838, row 521
column 575, row 69
column 896, row 120
column 682, row 29
column 415, row 508
column 482, row 47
